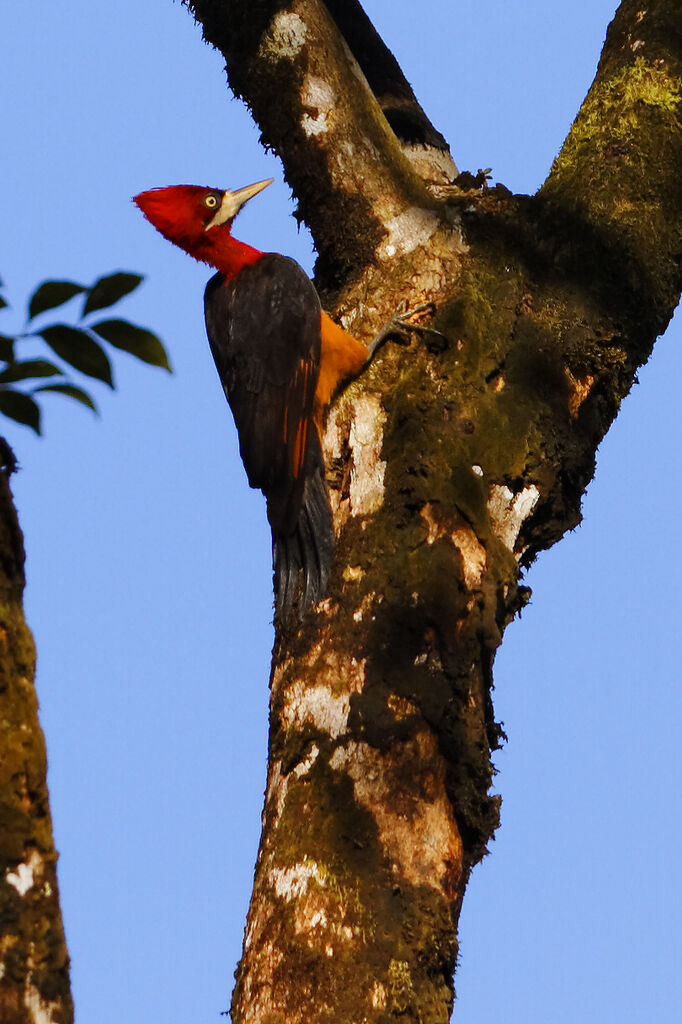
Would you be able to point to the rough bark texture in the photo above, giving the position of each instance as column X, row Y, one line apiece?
column 452, row 464
column 34, row 975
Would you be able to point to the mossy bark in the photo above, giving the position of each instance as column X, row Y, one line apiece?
column 34, row 975
column 452, row 462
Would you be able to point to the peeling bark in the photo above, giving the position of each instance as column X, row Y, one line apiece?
column 452, row 464
column 34, row 976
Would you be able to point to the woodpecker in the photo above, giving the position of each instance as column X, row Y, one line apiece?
column 280, row 358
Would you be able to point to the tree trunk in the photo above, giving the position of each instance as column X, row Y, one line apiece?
column 452, row 463
column 34, row 966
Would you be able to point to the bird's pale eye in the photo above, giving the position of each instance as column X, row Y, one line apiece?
column 211, row 202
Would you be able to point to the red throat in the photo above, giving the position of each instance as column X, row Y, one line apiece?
column 179, row 213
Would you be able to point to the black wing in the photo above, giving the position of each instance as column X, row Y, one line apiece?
column 264, row 331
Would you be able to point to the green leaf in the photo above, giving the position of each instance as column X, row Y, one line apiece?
column 50, row 294
column 20, row 407
column 136, row 340
column 77, row 348
column 28, row 368
column 72, row 391
column 6, row 348
column 108, row 290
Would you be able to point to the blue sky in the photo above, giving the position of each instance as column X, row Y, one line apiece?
column 148, row 561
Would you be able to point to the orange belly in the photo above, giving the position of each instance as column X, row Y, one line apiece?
column 341, row 356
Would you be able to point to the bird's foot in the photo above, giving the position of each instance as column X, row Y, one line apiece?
column 400, row 326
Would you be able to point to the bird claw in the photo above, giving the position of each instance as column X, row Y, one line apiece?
column 400, row 326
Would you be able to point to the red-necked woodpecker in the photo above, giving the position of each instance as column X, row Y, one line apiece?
column 280, row 359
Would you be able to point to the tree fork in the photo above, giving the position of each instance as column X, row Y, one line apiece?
column 451, row 466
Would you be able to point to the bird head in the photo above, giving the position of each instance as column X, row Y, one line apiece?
column 193, row 217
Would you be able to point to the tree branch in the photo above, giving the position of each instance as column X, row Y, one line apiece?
column 617, row 178
column 34, row 975
column 423, row 144
column 340, row 156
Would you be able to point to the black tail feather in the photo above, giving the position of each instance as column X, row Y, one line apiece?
column 302, row 559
